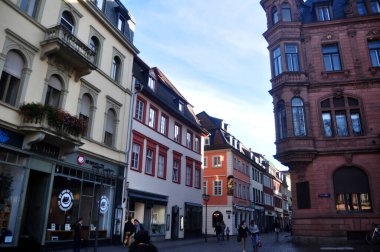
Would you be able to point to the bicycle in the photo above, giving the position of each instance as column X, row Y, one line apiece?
column 373, row 236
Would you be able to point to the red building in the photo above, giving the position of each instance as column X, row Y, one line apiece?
column 325, row 61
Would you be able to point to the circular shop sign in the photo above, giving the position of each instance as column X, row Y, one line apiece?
column 104, row 204
column 81, row 160
column 65, row 200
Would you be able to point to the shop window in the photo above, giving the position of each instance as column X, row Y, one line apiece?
column 11, row 78
column 158, row 220
column 281, row 121
column 54, row 91
column 351, row 190
column 298, row 113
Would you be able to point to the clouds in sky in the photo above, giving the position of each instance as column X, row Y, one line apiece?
column 213, row 51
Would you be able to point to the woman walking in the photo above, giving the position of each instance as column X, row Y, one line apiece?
column 254, row 230
column 243, row 233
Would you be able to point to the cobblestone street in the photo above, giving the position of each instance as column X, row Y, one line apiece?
column 269, row 245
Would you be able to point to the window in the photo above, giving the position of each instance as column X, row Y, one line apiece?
column 189, row 139
column 152, row 118
column 177, row 133
column 351, row 190
column 85, row 113
column 277, row 61
column 341, row 117
column 161, row 171
column 374, row 52
column 361, row 7
column 164, row 125
column 53, row 94
column 99, row 4
column 331, row 57
column 115, row 70
column 286, row 12
column 216, row 161
column 291, row 54
column 281, row 121
column 205, row 161
column 189, row 175
column 197, row 177
column 67, row 21
column 110, row 128
column 176, row 171
column 298, row 114
column 120, row 23
column 95, row 46
column 375, row 7
column 303, row 195
column 149, row 162
column 11, row 78
column 274, row 16
column 205, row 187
column 197, row 140
column 29, row 7
column 151, row 83
column 323, row 13
column 139, row 112
column 180, row 106
column 135, row 161
column 217, row 188
column 207, row 141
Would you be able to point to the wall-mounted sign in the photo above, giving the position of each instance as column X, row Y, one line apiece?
column 81, row 160
column 65, row 200
column 104, row 204
column 230, row 185
column 11, row 138
column 324, row 195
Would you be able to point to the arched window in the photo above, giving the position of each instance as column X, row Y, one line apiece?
column 54, row 90
column 286, row 12
column 351, row 190
column 341, row 117
column 281, row 120
column 109, row 132
column 85, row 113
column 274, row 15
column 115, row 71
column 95, row 47
column 11, row 78
column 217, row 217
column 67, row 20
column 298, row 113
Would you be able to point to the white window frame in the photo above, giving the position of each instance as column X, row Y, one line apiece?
column 217, row 161
column 217, row 188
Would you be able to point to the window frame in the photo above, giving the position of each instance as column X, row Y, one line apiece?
column 277, row 61
column 150, row 160
column 298, row 117
column 164, row 131
column 178, row 133
column 189, row 139
column 333, row 57
column 374, row 52
column 162, row 151
column 217, row 161
column 321, row 13
column 291, row 58
column 217, row 189
column 153, row 115
column 140, row 111
column 282, row 128
column 285, row 8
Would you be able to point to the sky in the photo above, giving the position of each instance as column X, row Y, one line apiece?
column 214, row 53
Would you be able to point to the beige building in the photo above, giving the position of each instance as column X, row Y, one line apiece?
column 65, row 90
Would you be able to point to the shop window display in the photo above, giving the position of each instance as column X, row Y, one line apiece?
column 158, row 220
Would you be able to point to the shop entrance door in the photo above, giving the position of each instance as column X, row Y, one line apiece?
column 175, row 222
column 32, row 224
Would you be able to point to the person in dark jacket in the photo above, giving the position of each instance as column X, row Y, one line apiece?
column 78, row 235
column 243, row 232
column 142, row 243
column 129, row 229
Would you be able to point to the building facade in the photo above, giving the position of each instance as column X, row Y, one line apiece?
column 65, row 90
column 165, row 173
column 325, row 88
column 233, row 178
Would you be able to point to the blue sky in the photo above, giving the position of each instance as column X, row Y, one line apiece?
column 213, row 51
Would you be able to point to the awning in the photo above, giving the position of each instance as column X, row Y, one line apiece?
column 193, row 204
column 149, row 196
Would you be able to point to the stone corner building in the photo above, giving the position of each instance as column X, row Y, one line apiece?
column 325, row 62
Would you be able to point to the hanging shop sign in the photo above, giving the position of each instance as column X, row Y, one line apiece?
column 104, row 204
column 65, row 200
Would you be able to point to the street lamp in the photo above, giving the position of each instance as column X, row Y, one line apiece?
column 206, row 197
column 101, row 173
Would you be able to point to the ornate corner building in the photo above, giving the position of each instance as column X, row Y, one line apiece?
column 325, row 65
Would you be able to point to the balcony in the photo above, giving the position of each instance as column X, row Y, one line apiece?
column 289, row 77
column 51, row 126
column 63, row 48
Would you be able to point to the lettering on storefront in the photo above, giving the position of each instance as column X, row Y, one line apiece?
column 65, row 200
column 104, row 204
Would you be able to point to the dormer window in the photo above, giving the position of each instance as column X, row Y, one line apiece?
column 323, row 13
column 375, row 7
column 151, row 83
column 362, row 11
column 120, row 23
column 180, row 106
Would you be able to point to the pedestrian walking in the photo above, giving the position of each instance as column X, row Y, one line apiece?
column 243, row 232
column 218, row 231
column 228, row 233
column 78, row 235
column 129, row 230
column 276, row 227
column 254, row 230
column 142, row 243
column 223, row 225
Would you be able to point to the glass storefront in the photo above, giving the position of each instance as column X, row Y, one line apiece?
column 80, row 193
column 158, row 220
